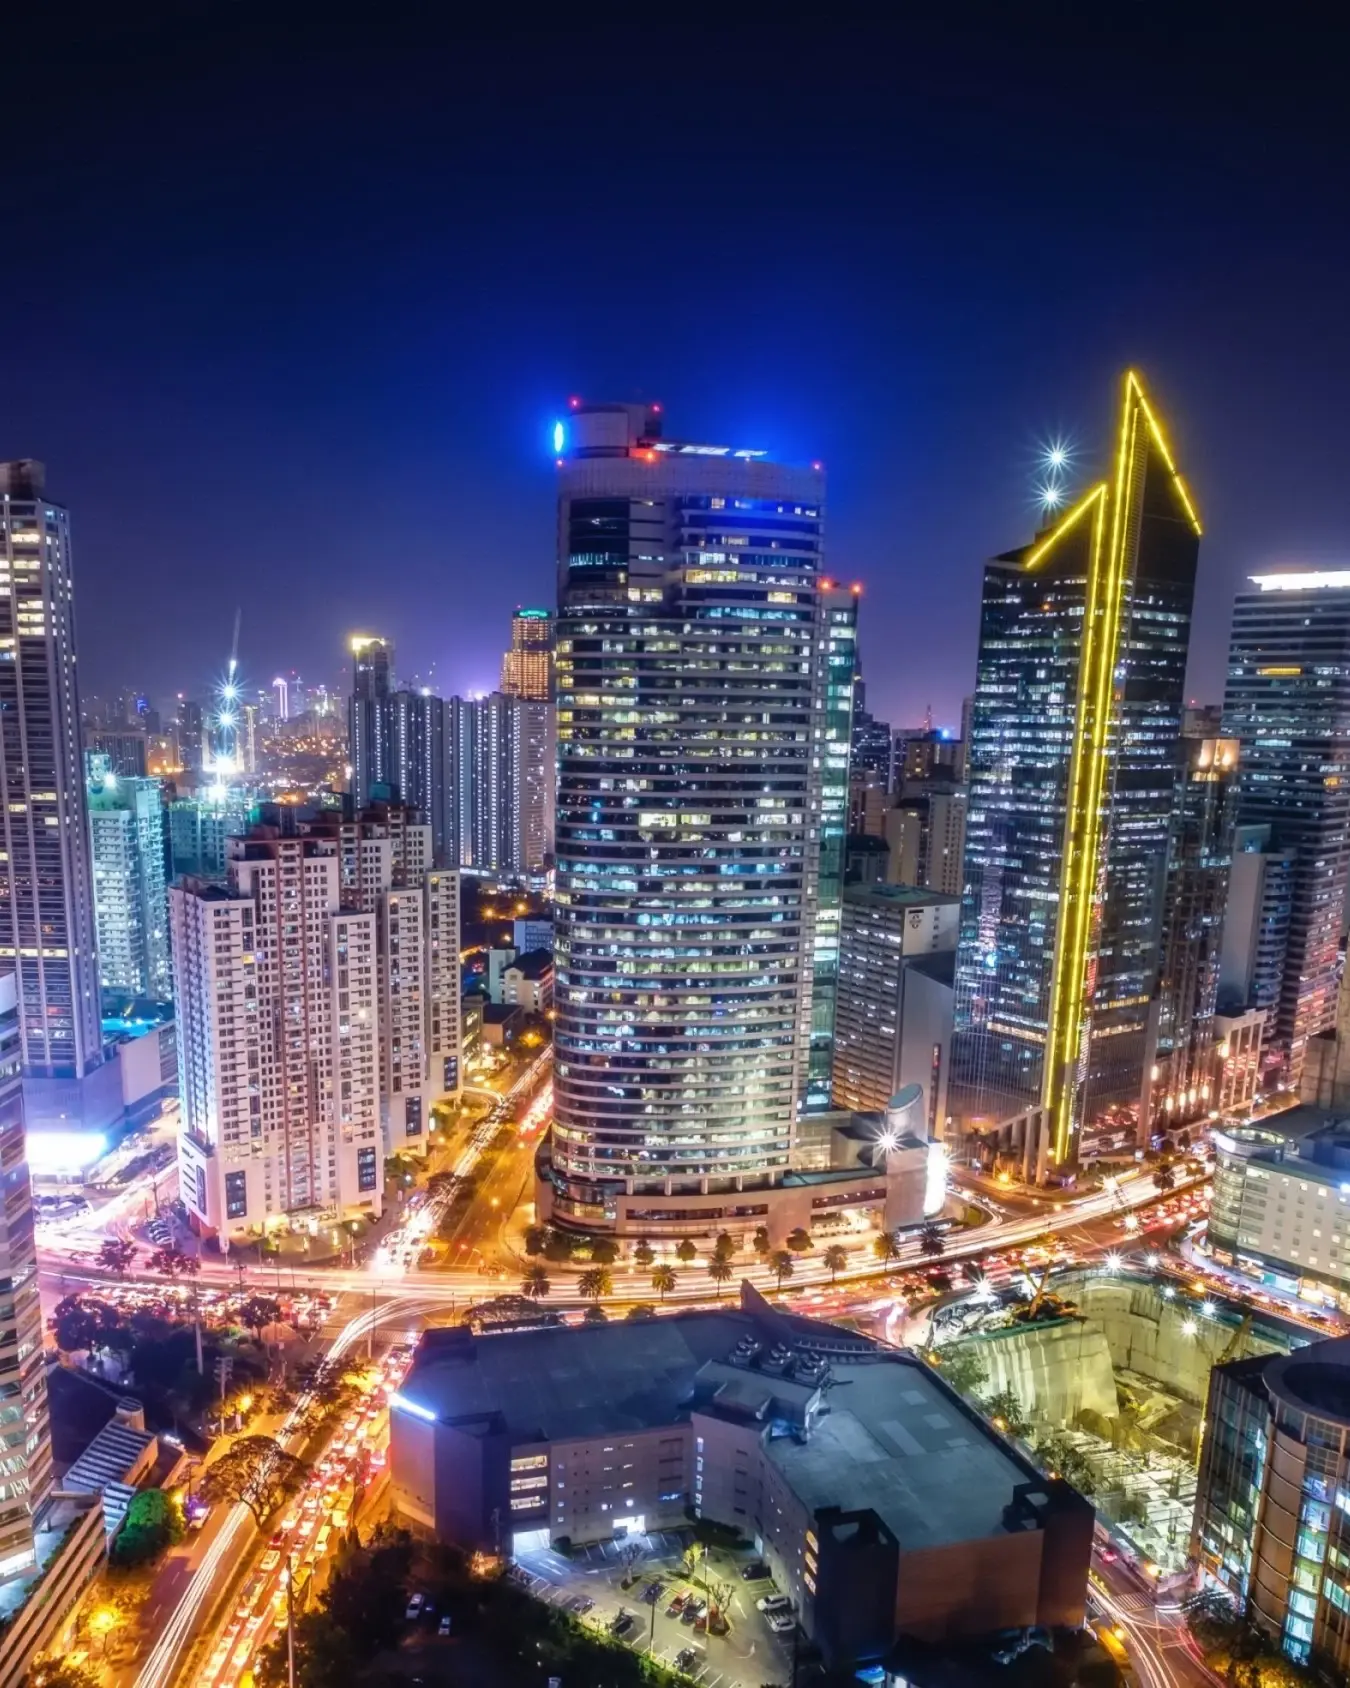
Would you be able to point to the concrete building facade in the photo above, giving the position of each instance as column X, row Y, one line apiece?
column 883, row 1504
column 277, row 988
column 131, row 908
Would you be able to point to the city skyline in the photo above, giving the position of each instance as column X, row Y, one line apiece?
column 244, row 351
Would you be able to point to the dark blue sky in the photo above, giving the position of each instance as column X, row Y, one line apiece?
column 288, row 311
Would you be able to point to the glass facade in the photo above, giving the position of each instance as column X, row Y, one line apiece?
column 704, row 694
column 1288, row 701
column 46, row 896
column 1073, row 756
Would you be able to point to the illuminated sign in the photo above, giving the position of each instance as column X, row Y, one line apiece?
column 559, row 438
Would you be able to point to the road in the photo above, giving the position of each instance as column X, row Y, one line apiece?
column 1155, row 1637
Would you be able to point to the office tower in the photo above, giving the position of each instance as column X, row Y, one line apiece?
column 870, row 759
column 189, row 730
column 867, row 803
column 1082, row 660
column 1288, row 701
column 527, row 668
column 1256, row 925
column 963, row 756
column 386, row 869
column 282, row 692
column 131, row 911
column 893, row 1023
column 367, row 719
column 47, row 925
column 1183, row 1080
column 704, row 689
column 277, row 993
column 125, row 749
column 930, row 755
column 1269, row 1527
column 25, row 1424
column 926, row 836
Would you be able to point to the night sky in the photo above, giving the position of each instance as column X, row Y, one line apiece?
column 288, row 311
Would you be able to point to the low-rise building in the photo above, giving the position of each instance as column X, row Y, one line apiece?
column 1272, row 1506
column 1281, row 1205
column 883, row 1504
column 528, row 982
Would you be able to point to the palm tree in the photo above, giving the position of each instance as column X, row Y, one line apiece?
column 644, row 1253
column 836, row 1258
column 595, row 1283
column 781, row 1264
column 720, row 1271
column 686, row 1250
column 885, row 1246
column 536, row 1283
column 930, row 1241
column 664, row 1279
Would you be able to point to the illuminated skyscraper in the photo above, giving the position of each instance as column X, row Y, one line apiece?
column 704, row 695
column 46, row 894
column 1073, row 756
column 1288, row 702
column 367, row 719
column 25, row 1422
column 527, row 668
column 126, row 823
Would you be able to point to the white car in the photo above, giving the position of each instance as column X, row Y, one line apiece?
column 773, row 1603
column 781, row 1623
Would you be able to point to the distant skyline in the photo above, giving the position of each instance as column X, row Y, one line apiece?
column 308, row 361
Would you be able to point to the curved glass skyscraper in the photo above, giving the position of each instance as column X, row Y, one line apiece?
column 704, row 678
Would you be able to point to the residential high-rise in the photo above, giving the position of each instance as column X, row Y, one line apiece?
column 367, row 719
column 200, row 826
column 1256, row 923
column 386, row 868
column 527, row 668
column 500, row 784
column 131, row 911
column 47, row 925
column 1288, row 702
column 25, row 1423
column 1072, row 760
column 277, row 991
column 1183, row 1081
column 893, row 1024
column 704, row 693
column 418, row 768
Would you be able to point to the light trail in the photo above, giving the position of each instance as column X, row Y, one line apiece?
column 159, row 1669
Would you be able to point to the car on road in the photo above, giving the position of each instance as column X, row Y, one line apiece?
column 755, row 1571
column 781, row 1623
column 773, row 1603
column 271, row 1560
column 443, row 1628
column 414, row 1610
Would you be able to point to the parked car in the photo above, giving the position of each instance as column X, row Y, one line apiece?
column 687, row 1658
column 676, row 1605
column 621, row 1624
column 773, row 1603
column 652, row 1593
column 781, row 1623
column 414, row 1610
column 693, row 1608
column 443, row 1628
column 755, row 1571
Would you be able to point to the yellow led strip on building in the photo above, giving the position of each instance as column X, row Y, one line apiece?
column 1107, row 569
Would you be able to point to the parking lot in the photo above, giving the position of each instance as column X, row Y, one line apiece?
column 747, row 1656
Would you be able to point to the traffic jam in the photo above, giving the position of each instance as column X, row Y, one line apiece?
column 309, row 1528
